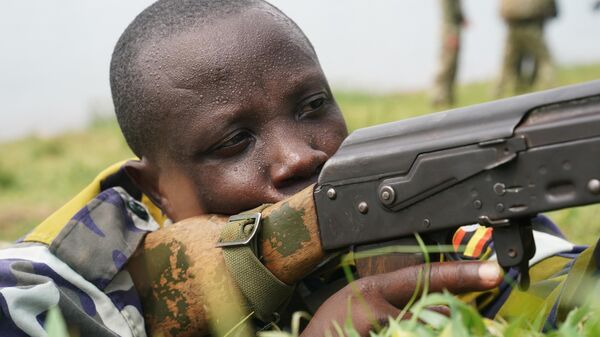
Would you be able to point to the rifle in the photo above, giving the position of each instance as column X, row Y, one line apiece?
column 498, row 164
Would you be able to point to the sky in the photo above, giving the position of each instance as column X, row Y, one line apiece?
column 55, row 55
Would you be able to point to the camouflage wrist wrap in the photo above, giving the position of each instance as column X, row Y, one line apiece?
column 264, row 293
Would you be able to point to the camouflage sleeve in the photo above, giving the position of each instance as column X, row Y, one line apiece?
column 184, row 281
column 80, row 271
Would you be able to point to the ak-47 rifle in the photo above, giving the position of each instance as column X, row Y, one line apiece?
column 497, row 164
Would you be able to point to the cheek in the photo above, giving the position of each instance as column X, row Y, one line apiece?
column 179, row 196
column 328, row 139
column 231, row 188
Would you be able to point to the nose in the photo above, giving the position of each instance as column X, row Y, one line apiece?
column 298, row 162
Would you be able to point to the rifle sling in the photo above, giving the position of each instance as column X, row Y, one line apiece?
column 265, row 294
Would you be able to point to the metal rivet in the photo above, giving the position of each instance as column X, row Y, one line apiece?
column 331, row 193
column 499, row 188
column 426, row 223
column 512, row 253
column 500, row 207
column 387, row 195
column 477, row 204
column 594, row 186
column 363, row 207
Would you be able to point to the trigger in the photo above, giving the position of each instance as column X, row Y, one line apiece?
column 524, row 279
column 514, row 245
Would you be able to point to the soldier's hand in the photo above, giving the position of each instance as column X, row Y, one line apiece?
column 385, row 294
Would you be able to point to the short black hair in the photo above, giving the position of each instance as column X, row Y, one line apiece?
column 136, row 112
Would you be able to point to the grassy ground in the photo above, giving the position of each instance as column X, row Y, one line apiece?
column 464, row 321
column 37, row 175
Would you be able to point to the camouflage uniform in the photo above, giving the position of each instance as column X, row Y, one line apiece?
column 527, row 59
column 75, row 260
column 452, row 21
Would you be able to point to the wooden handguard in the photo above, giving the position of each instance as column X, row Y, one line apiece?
column 182, row 280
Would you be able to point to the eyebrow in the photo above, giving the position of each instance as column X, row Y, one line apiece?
column 306, row 82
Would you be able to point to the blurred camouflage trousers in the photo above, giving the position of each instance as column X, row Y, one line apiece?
column 452, row 21
column 443, row 89
column 527, row 62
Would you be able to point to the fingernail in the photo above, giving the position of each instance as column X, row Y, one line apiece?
column 490, row 272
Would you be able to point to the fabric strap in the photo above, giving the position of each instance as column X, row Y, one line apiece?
column 264, row 293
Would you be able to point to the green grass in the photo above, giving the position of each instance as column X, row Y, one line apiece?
column 464, row 321
column 38, row 175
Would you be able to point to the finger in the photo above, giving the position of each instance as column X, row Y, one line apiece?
column 367, row 313
column 457, row 277
column 440, row 309
column 374, row 318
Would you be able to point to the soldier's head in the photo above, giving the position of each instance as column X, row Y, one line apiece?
column 225, row 104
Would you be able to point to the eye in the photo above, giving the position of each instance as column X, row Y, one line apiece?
column 312, row 105
column 233, row 145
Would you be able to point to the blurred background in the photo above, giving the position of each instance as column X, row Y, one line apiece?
column 385, row 59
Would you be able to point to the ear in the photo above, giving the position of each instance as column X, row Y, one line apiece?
column 146, row 177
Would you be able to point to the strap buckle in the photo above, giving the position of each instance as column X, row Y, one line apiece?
column 240, row 217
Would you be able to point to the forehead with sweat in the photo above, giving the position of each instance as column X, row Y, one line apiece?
column 181, row 58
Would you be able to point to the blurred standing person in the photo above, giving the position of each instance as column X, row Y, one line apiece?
column 452, row 22
column 527, row 60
